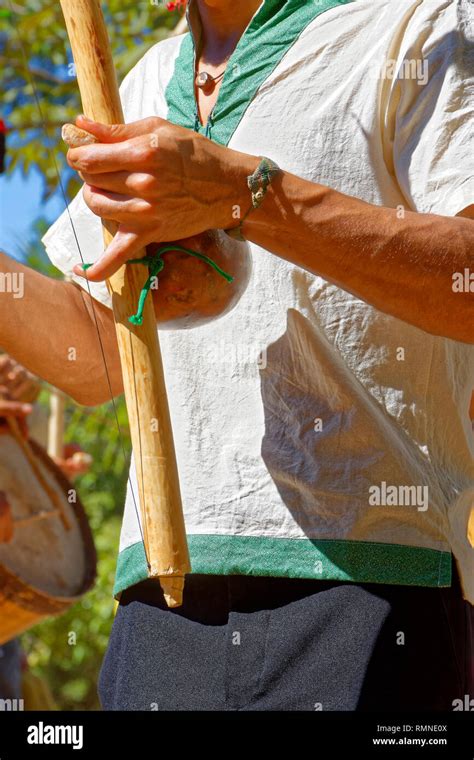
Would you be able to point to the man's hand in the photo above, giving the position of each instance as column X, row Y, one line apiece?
column 75, row 461
column 14, row 408
column 187, row 184
column 160, row 182
column 18, row 387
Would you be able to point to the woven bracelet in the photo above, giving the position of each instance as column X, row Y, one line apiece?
column 257, row 183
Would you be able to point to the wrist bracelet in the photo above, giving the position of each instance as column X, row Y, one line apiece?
column 257, row 183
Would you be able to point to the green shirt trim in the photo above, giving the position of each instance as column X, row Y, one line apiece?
column 270, row 34
column 338, row 560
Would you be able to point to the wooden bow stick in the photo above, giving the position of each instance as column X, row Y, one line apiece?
column 145, row 393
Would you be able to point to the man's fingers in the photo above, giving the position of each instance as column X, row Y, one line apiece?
column 136, row 153
column 131, row 155
column 125, row 245
column 6, row 366
column 123, row 183
column 113, row 133
column 113, row 206
column 27, row 390
column 15, row 378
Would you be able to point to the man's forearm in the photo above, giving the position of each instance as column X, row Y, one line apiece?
column 49, row 326
column 401, row 263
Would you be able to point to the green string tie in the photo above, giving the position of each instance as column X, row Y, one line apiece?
column 155, row 264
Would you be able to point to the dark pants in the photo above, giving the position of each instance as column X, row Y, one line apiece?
column 254, row 643
column 10, row 670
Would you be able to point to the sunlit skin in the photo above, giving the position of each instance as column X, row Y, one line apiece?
column 190, row 184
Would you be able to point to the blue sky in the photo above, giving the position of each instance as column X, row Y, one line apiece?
column 20, row 205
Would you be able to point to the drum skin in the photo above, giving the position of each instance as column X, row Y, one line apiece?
column 22, row 603
column 190, row 292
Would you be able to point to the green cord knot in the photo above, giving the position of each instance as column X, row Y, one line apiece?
column 155, row 264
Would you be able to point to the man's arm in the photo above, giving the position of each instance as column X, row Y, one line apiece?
column 401, row 263
column 469, row 214
column 50, row 328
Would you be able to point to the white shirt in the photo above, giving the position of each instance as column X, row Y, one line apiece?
column 298, row 412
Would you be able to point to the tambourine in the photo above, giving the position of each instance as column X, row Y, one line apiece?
column 50, row 562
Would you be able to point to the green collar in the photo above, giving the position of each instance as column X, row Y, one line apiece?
column 270, row 34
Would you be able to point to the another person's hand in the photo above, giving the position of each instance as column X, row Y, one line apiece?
column 14, row 408
column 75, row 462
column 6, row 519
column 18, row 388
column 17, row 384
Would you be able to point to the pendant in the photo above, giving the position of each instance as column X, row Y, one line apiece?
column 203, row 80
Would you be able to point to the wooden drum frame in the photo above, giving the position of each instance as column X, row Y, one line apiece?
column 22, row 603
